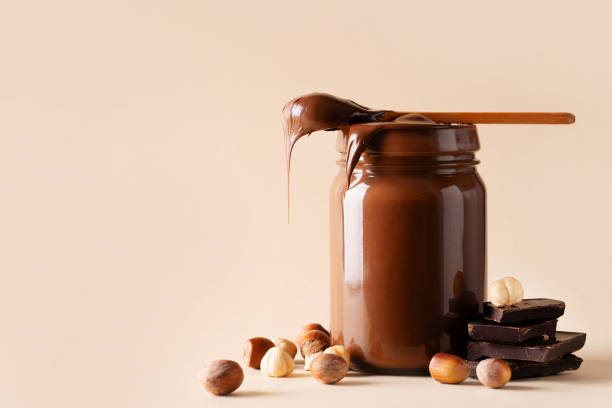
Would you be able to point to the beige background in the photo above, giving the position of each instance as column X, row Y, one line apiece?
column 143, row 228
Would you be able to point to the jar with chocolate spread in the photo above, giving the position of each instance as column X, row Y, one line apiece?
column 408, row 252
column 408, row 231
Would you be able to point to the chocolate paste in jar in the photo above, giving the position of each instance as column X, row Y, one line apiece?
column 408, row 252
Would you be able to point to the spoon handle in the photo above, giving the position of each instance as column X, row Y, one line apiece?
column 545, row 118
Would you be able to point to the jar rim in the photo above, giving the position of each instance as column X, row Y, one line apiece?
column 418, row 140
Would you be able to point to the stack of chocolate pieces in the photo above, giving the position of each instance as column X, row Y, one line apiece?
column 525, row 335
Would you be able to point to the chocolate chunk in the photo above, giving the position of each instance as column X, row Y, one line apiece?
column 525, row 310
column 524, row 369
column 540, row 350
column 485, row 330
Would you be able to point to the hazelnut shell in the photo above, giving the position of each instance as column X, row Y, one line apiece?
column 328, row 368
column 493, row 372
column 254, row 350
column 286, row 345
column 223, row 377
column 313, row 342
column 448, row 368
column 307, row 328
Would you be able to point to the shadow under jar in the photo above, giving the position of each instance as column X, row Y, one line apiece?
column 408, row 248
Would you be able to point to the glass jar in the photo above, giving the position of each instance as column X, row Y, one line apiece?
column 408, row 247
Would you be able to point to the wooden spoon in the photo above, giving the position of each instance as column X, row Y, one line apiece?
column 507, row 118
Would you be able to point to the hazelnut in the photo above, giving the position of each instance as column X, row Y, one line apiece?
column 493, row 372
column 307, row 328
column 341, row 351
column 309, row 359
column 506, row 291
column 254, row 350
column 286, row 345
column 223, row 377
column 277, row 363
column 313, row 342
column 448, row 368
column 328, row 368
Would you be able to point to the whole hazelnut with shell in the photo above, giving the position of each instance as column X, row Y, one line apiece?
column 448, row 368
column 493, row 372
column 305, row 329
column 222, row 377
column 328, row 368
column 254, row 350
column 313, row 342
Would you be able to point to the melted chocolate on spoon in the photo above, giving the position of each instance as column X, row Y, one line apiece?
column 321, row 111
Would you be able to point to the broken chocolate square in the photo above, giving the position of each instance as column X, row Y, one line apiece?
column 540, row 350
column 486, row 330
column 525, row 310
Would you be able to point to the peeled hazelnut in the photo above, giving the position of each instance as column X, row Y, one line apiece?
column 286, row 345
column 493, row 372
column 309, row 359
column 498, row 293
column 328, row 368
column 506, row 291
column 448, row 368
column 340, row 351
column 254, row 350
column 515, row 290
column 313, row 342
column 277, row 363
column 223, row 377
column 307, row 328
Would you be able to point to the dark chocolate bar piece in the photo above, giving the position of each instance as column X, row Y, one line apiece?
column 525, row 369
column 540, row 350
column 486, row 330
column 525, row 310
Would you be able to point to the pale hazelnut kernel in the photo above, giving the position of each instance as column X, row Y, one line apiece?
column 277, row 363
column 286, row 345
column 515, row 290
column 493, row 372
column 308, row 360
column 505, row 292
column 340, row 351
